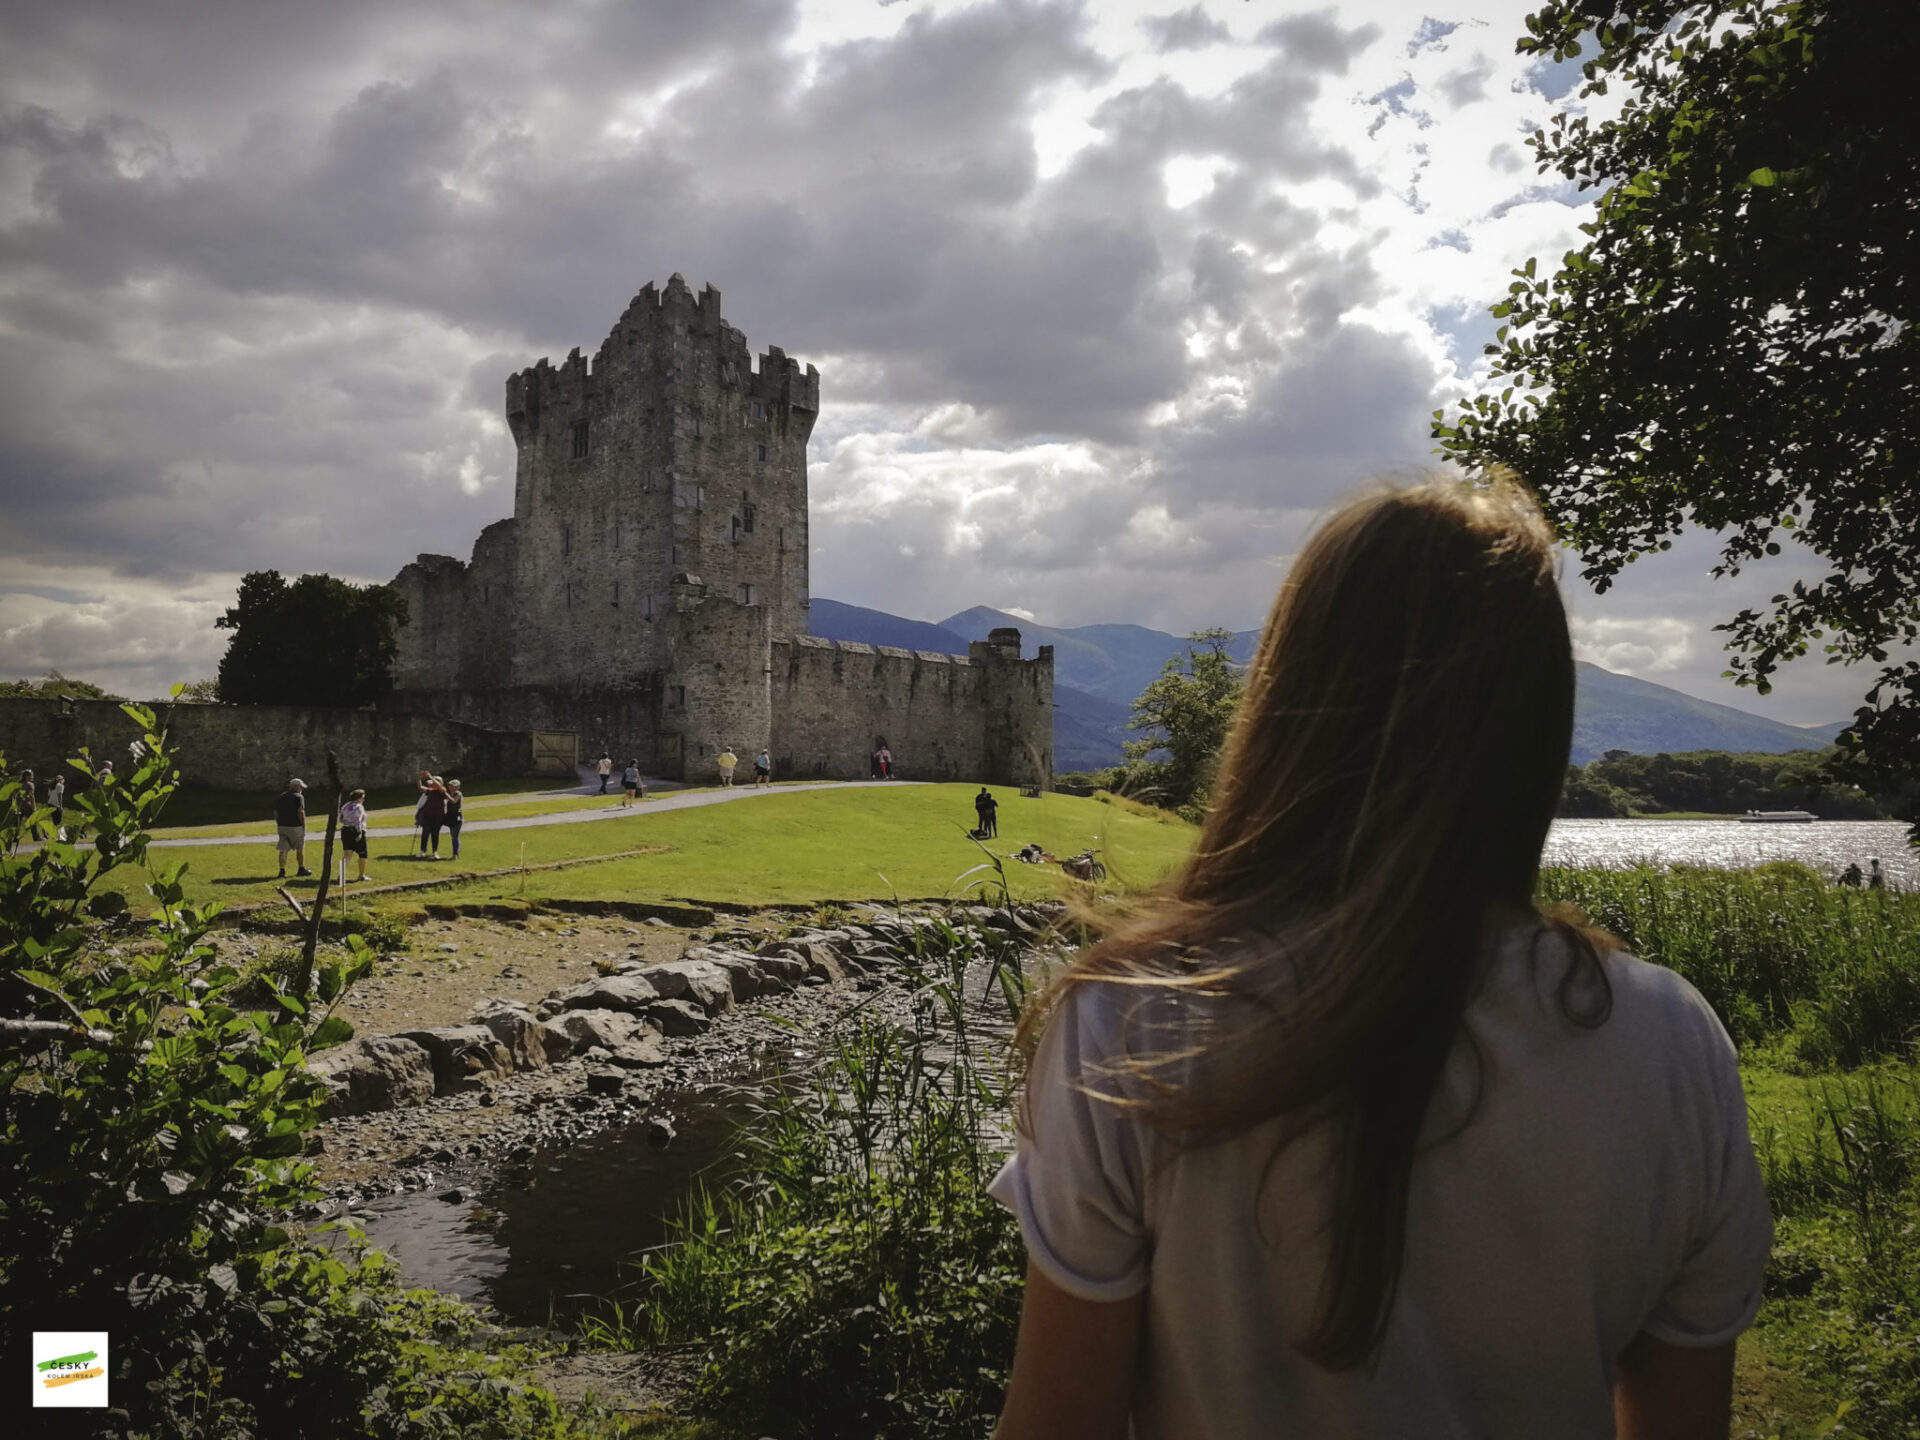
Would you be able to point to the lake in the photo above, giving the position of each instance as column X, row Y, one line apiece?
column 1828, row 846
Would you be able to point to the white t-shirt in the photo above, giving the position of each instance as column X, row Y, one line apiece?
column 1604, row 1186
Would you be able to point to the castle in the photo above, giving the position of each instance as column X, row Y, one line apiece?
column 650, row 594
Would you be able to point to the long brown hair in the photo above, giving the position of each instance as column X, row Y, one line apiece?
column 1383, row 798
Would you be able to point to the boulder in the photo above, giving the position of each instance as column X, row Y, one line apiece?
column 679, row 1018
column 631, row 993
column 701, row 981
column 823, row 961
column 748, row 979
column 461, row 1055
column 515, row 1028
column 379, row 1072
column 584, row 1029
column 782, row 967
column 641, row 1052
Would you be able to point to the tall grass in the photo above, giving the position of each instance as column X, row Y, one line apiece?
column 1781, row 954
column 859, row 1281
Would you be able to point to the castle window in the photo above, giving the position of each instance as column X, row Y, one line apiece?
column 616, row 535
column 780, row 538
column 569, row 594
column 673, row 554
column 566, row 539
column 736, row 529
column 746, row 594
column 580, row 439
column 757, row 409
column 677, row 695
column 747, row 516
column 699, row 497
column 616, row 592
column 646, row 607
column 486, row 594
column 760, row 452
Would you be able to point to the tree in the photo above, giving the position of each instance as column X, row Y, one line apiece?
column 52, row 688
column 1734, row 346
column 1187, row 709
column 318, row 641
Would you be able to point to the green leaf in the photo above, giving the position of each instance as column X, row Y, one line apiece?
column 1763, row 178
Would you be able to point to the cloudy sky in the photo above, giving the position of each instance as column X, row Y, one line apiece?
column 1108, row 299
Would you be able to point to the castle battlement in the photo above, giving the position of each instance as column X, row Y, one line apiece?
column 651, row 586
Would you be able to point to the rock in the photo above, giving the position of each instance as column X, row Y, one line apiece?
column 700, row 981
column 782, row 969
column 745, row 973
column 660, row 1133
column 642, row 1052
column 584, row 1029
column 455, row 1196
column 559, row 1044
column 824, row 961
column 679, row 1017
column 449, row 949
column 605, row 1082
column 461, row 1054
column 515, row 1028
column 631, row 993
column 377, row 1072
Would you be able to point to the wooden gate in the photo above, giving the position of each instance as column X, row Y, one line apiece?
column 556, row 752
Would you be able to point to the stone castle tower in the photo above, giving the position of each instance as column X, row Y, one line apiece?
column 650, row 592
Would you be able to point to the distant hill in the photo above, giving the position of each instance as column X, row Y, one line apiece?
column 1115, row 662
column 1618, row 712
column 831, row 620
column 1099, row 669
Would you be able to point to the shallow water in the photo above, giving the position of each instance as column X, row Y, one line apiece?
column 1828, row 846
column 540, row 1240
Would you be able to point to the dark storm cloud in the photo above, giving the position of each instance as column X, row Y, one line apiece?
column 268, row 296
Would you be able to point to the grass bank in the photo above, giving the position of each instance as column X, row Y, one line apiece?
column 769, row 848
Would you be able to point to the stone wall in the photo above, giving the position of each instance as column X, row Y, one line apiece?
column 944, row 717
column 257, row 747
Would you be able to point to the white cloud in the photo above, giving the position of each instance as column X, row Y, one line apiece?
column 1642, row 647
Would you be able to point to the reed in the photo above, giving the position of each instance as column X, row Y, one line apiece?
column 1828, row 973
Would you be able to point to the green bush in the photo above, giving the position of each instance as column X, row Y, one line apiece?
column 150, row 1133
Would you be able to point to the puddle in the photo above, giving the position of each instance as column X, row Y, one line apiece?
column 541, row 1242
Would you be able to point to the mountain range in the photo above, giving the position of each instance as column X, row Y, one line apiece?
column 1099, row 669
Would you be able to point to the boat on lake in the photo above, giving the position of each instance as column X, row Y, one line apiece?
column 1779, row 817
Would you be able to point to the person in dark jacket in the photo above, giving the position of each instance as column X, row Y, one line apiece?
column 290, row 820
column 988, row 809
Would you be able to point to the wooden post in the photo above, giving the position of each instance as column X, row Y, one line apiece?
column 303, row 982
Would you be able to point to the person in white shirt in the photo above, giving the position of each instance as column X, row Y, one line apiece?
column 353, row 829
column 1339, row 1135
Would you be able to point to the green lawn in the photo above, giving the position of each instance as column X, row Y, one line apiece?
column 795, row 848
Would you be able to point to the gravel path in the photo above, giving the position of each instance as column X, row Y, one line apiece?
column 690, row 800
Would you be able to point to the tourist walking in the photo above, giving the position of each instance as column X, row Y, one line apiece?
column 433, row 813
column 290, row 822
column 455, row 815
column 631, row 788
column 604, row 765
column 988, row 809
column 1338, row 1134
column 353, row 830
column 884, row 760
column 762, row 769
column 726, row 761
column 57, row 803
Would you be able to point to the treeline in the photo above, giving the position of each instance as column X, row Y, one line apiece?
column 1620, row 785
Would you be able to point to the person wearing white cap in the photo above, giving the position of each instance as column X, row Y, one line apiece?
column 290, row 818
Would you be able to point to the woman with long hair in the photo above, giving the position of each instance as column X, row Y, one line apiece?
column 1339, row 1135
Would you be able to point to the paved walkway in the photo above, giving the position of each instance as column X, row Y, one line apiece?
column 613, row 810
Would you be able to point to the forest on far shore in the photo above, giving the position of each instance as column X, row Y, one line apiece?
column 1620, row 785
